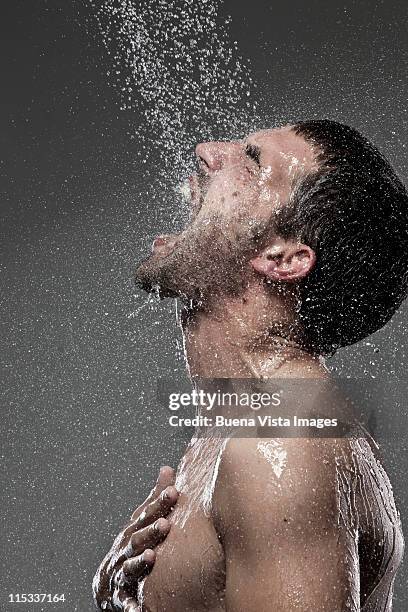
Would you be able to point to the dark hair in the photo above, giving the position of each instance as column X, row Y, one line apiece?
column 354, row 213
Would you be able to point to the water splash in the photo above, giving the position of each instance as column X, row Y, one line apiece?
column 275, row 454
column 181, row 79
column 174, row 63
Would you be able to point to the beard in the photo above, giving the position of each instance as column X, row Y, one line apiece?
column 209, row 259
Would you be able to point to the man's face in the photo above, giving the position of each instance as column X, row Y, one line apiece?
column 234, row 196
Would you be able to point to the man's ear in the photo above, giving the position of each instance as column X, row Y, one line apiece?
column 285, row 260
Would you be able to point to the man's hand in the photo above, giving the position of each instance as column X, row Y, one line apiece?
column 131, row 556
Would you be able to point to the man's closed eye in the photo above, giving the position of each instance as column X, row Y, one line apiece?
column 254, row 153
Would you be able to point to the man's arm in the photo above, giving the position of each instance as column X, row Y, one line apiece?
column 284, row 549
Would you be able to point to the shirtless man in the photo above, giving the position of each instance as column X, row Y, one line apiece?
column 297, row 245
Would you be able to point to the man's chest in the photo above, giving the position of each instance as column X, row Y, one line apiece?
column 189, row 573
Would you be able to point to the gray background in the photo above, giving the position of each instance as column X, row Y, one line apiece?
column 81, row 351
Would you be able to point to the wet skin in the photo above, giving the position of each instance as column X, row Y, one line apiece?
column 271, row 543
column 259, row 541
column 316, row 558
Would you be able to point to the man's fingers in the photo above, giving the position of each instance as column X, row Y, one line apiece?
column 148, row 537
column 160, row 507
column 122, row 600
column 142, row 539
column 134, row 569
column 131, row 605
column 166, row 477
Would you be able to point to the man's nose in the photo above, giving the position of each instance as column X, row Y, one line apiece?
column 214, row 155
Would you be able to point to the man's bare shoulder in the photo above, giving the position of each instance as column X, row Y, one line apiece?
column 279, row 459
column 284, row 479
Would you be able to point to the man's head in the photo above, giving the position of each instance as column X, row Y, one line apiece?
column 235, row 196
column 312, row 206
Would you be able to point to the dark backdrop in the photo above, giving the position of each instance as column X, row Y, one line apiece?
column 81, row 351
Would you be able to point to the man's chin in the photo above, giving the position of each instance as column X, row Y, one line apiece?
column 148, row 279
column 155, row 275
column 199, row 264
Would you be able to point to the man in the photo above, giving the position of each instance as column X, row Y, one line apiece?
column 297, row 246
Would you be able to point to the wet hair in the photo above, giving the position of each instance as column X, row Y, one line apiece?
column 353, row 211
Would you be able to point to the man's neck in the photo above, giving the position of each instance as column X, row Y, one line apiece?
column 232, row 341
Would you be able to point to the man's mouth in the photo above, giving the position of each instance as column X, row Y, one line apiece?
column 192, row 190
